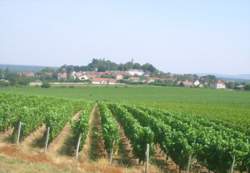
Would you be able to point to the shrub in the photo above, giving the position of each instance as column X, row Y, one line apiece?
column 45, row 85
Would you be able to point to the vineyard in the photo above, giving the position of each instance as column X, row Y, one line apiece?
column 190, row 143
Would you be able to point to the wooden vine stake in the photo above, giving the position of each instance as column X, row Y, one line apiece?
column 111, row 153
column 19, row 132
column 111, row 156
column 232, row 166
column 147, row 159
column 78, row 146
column 47, row 139
column 189, row 163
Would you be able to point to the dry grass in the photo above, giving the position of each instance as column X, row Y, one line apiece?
column 14, row 165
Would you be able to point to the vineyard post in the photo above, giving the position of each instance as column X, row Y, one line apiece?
column 189, row 163
column 47, row 139
column 232, row 166
column 111, row 156
column 111, row 153
column 147, row 159
column 78, row 146
column 19, row 132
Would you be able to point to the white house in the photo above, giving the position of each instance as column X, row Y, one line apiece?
column 135, row 72
column 220, row 84
column 119, row 77
column 73, row 75
column 196, row 83
column 83, row 77
column 79, row 75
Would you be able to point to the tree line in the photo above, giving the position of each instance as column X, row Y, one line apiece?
column 102, row 65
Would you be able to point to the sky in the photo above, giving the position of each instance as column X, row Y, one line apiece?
column 194, row 36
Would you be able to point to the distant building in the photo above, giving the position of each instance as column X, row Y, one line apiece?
column 201, row 85
column 196, row 83
column 62, row 76
column 135, row 72
column 119, row 77
column 103, row 81
column 27, row 74
column 79, row 75
column 187, row 83
column 150, row 80
column 220, row 84
column 83, row 77
column 134, row 79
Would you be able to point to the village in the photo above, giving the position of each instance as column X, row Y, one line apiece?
column 105, row 72
column 133, row 76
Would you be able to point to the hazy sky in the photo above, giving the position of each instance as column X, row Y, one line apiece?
column 210, row 36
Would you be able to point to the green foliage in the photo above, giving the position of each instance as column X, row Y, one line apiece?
column 81, row 125
column 212, row 143
column 102, row 65
column 109, row 127
column 247, row 87
column 138, row 135
column 45, row 84
column 33, row 111
column 231, row 107
column 4, row 83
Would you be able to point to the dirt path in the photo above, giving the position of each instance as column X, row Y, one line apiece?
column 125, row 149
column 96, row 143
column 84, row 154
column 5, row 135
column 59, row 141
column 34, row 136
column 159, row 159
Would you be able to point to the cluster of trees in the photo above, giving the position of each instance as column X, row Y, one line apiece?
column 10, row 78
column 247, row 87
column 102, row 65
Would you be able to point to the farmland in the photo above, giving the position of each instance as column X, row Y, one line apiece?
column 232, row 106
column 185, row 129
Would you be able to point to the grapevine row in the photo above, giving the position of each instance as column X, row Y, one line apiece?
column 213, row 148
column 33, row 111
column 138, row 135
column 110, row 128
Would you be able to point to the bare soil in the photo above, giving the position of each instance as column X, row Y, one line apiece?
column 60, row 140
column 97, row 146
column 84, row 154
column 5, row 136
column 34, row 136
column 125, row 149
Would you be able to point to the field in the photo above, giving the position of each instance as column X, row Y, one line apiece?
column 233, row 106
column 186, row 129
